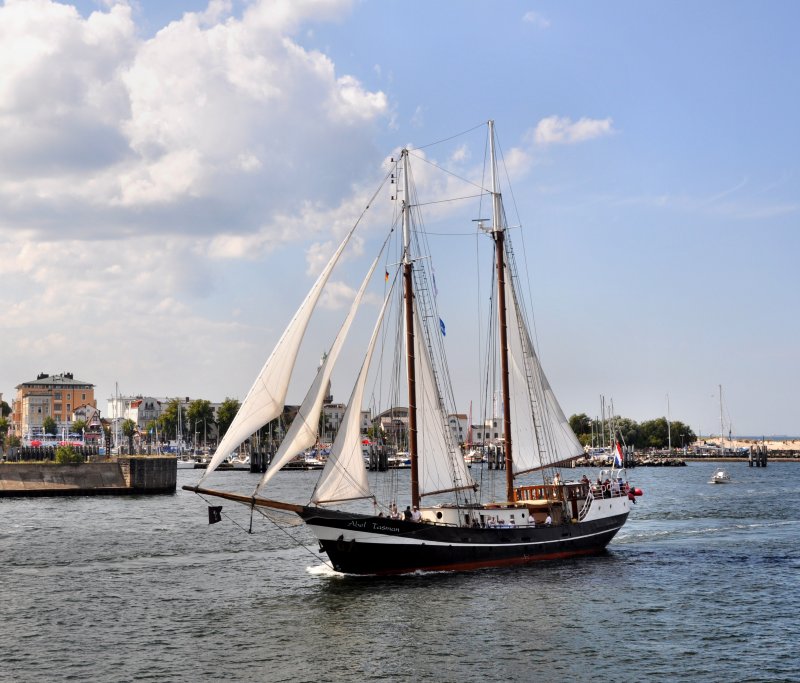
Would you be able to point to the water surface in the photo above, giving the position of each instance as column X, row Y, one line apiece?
column 702, row 584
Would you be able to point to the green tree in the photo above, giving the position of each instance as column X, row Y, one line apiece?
column 628, row 429
column 168, row 420
column 78, row 427
column 4, row 426
column 129, row 430
column 682, row 435
column 5, row 409
column 200, row 415
column 225, row 414
column 654, row 433
column 582, row 426
column 49, row 425
column 66, row 455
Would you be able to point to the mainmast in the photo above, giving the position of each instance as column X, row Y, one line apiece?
column 498, row 233
column 408, row 295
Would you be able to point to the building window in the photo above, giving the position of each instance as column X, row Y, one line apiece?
column 57, row 396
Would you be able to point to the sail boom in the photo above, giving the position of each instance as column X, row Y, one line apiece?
column 468, row 487
column 331, row 501
column 247, row 500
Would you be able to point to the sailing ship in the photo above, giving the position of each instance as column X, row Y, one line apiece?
column 453, row 526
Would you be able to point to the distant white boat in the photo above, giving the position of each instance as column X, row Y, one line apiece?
column 720, row 477
column 240, row 462
column 399, row 461
column 474, row 456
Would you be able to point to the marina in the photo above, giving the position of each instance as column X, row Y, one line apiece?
column 147, row 574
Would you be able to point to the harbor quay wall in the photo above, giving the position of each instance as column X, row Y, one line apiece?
column 150, row 474
column 124, row 475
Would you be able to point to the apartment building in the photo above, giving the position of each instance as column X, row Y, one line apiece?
column 55, row 396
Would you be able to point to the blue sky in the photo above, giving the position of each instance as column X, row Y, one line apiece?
column 172, row 172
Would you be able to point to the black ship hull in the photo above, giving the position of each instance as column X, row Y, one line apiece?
column 363, row 544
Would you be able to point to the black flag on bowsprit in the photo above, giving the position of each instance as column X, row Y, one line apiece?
column 214, row 514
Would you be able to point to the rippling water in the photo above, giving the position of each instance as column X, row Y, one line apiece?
column 702, row 584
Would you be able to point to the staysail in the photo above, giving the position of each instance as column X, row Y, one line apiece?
column 264, row 401
column 540, row 431
column 441, row 466
column 303, row 430
column 344, row 476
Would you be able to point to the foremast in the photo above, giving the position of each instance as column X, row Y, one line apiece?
column 498, row 234
column 408, row 297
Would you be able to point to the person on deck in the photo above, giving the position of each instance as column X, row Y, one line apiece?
column 407, row 513
column 416, row 516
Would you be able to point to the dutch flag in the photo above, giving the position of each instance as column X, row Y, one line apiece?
column 619, row 461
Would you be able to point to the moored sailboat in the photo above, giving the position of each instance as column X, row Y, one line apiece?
column 452, row 527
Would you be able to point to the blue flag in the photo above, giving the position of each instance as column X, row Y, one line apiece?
column 441, row 327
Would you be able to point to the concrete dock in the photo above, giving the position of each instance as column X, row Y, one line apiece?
column 124, row 475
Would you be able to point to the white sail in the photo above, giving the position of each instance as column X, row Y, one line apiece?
column 303, row 431
column 441, row 466
column 540, row 432
column 344, row 476
column 264, row 401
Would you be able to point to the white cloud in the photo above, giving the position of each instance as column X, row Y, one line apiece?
column 562, row 130
column 337, row 295
column 536, row 19
column 103, row 132
column 141, row 181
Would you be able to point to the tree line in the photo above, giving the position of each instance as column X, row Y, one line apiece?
column 648, row 434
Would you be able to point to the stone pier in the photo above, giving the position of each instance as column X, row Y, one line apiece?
column 142, row 474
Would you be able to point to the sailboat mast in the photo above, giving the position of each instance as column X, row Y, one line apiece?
column 408, row 295
column 669, row 429
column 721, row 425
column 498, row 232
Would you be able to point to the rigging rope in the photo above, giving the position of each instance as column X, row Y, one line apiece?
column 294, row 540
column 452, row 137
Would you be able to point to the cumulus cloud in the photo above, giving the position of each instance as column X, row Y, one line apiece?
column 213, row 115
column 137, row 170
column 562, row 130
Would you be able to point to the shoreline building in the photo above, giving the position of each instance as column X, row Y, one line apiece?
column 145, row 410
column 54, row 396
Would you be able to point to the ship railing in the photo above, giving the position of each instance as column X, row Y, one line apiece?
column 610, row 490
column 586, row 505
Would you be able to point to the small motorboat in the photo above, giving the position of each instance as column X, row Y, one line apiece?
column 720, row 477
